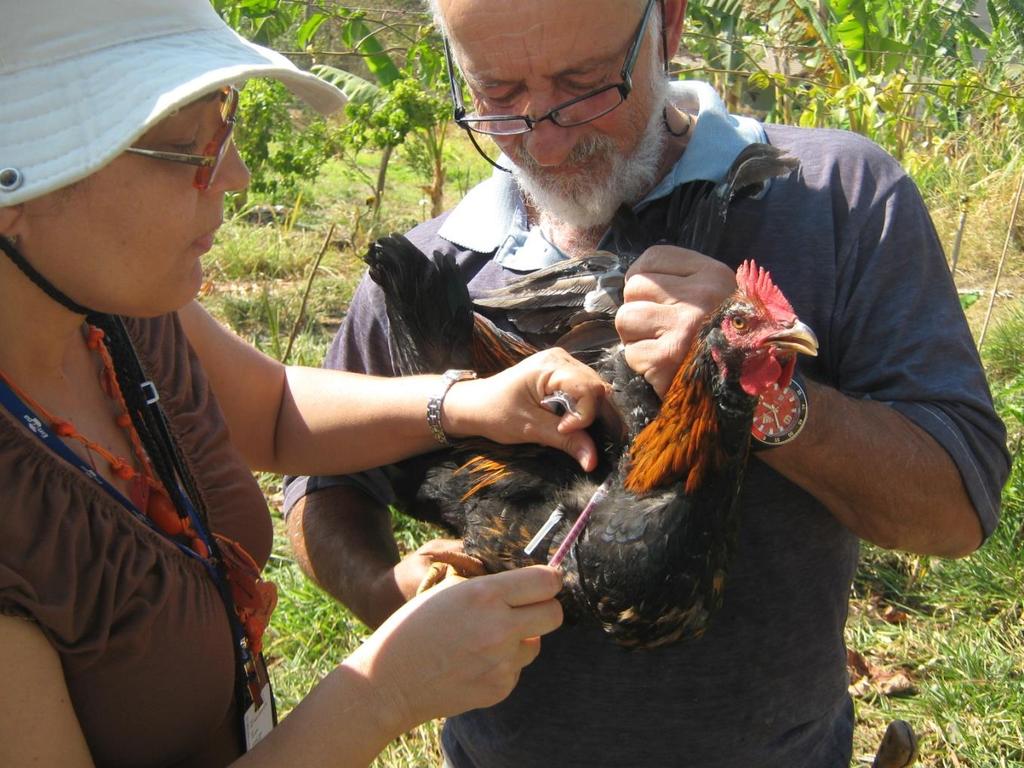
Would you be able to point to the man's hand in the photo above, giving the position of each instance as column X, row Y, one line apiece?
column 342, row 539
column 668, row 293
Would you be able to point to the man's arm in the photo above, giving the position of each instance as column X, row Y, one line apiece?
column 342, row 539
column 341, row 534
column 880, row 475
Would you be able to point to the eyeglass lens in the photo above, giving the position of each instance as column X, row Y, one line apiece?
column 589, row 107
column 218, row 146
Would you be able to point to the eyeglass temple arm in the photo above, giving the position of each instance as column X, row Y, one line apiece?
column 459, row 108
column 174, row 157
column 480, row 151
column 638, row 40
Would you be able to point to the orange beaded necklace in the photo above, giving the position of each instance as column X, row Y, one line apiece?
column 254, row 598
column 145, row 491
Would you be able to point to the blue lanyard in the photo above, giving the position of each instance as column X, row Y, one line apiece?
column 21, row 412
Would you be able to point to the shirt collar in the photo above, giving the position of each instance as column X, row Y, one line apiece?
column 492, row 217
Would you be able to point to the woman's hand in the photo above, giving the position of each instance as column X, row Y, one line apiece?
column 458, row 646
column 508, row 407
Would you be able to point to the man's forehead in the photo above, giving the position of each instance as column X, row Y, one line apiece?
column 563, row 33
column 452, row 8
column 514, row 17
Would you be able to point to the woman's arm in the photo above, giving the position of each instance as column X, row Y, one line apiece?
column 316, row 421
column 38, row 725
column 451, row 649
column 444, row 652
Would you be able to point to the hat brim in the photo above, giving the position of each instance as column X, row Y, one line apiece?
column 80, row 113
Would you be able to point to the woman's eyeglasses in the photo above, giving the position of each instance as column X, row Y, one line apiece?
column 210, row 160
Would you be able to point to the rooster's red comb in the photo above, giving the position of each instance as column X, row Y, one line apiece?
column 757, row 284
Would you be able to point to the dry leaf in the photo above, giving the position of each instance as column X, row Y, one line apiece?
column 867, row 678
column 894, row 615
column 885, row 612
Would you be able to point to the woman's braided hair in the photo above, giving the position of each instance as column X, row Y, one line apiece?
column 148, row 416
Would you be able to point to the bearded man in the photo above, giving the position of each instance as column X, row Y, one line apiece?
column 900, row 447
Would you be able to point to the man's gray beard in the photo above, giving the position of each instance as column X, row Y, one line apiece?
column 582, row 200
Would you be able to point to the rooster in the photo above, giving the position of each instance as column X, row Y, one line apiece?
column 660, row 508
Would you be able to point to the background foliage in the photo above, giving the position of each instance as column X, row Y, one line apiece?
column 938, row 83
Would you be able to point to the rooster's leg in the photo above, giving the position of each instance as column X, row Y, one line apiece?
column 436, row 573
column 450, row 565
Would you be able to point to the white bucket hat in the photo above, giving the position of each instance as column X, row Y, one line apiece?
column 81, row 81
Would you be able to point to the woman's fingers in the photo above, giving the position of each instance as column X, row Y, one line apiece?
column 579, row 445
column 546, row 399
column 537, row 619
column 462, row 647
column 525, row 586
column 576, row 391
column 529, row 650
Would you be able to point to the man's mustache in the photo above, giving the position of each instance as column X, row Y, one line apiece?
column 586, row 150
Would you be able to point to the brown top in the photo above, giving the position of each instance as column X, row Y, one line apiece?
column 140, row 627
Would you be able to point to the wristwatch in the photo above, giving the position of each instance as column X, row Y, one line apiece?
column 779, row 416
column 434, row 403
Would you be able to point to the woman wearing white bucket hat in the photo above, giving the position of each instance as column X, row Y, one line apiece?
column 131, row 531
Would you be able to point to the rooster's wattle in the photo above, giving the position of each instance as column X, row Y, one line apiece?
column 650, row 565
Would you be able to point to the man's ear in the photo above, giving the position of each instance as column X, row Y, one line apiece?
column 11, row 220
column 672, row 25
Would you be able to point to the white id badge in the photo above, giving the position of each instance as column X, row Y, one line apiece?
column 259, row 720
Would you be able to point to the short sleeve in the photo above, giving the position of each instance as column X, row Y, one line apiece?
column 901, row 338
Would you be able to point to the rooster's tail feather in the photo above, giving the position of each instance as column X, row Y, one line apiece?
column 704, row 208
column 428, row 306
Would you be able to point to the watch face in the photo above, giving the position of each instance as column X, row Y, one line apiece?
column 780, row 414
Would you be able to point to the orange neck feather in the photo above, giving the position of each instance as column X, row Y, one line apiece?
column 681, row 442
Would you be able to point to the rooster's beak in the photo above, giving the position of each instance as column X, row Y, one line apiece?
column 797, row 337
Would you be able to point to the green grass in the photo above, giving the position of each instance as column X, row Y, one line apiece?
column 962, row 638
column 962, row 643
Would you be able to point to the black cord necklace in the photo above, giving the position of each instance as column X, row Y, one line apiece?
column 41, row 282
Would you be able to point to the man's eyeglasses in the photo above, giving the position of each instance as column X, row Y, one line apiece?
column 210, row 160
column 577, row 111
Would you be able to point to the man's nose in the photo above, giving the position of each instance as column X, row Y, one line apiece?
column 549, row 144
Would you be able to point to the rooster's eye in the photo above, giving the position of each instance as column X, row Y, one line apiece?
column 739, row 322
